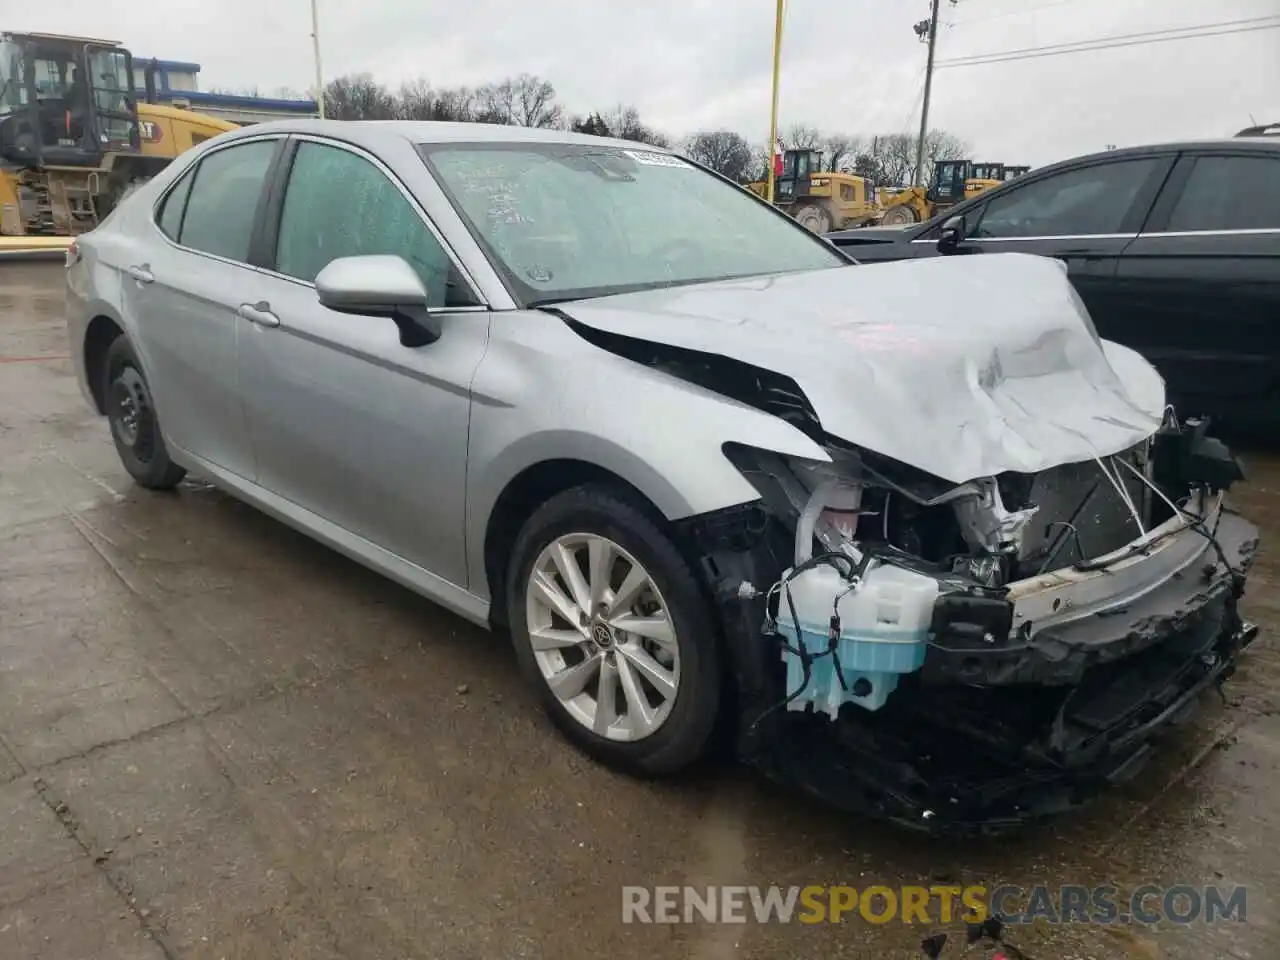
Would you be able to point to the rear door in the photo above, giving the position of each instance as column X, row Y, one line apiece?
column 184, row 288
column 1084, row 216
column 1204, row 277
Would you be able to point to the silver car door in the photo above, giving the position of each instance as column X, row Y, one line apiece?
column 347, row 422
column 183, row 292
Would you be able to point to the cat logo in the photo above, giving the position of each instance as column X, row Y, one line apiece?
column 150, row 131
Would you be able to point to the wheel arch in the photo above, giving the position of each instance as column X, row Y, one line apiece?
column 101, row 332
column 524, row 493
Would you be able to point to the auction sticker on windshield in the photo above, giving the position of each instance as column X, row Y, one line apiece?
column 655, row 159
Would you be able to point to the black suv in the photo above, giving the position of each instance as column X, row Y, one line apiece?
column 1175, row 249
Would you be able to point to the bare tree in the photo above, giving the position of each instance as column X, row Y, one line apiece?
column 416, row 100
column 624, row 121
column 890, row 158
column 358, row 97
column 592, row 123
column 525, row 101
column 723, row 151
column 799, row 136
column 840, row 150
column 941, row 145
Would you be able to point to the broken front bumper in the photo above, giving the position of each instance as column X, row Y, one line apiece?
column 999, row 728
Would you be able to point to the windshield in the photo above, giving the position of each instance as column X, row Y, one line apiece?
column 564, row 221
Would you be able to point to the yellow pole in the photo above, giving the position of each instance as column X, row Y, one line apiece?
column 773, row 114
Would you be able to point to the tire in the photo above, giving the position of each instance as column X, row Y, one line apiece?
column 683, row 725
column 813, row 217
column 135, row 426
column 901, row 214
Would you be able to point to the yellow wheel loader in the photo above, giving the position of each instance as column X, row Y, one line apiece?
column 953, row 181
column 73, row 137
column 820, row 201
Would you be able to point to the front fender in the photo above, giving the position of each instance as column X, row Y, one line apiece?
column 542, row 394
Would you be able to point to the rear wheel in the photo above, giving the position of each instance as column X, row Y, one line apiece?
column 135, row 427
column 813, row 216
column 899, row 215
column 611, row 629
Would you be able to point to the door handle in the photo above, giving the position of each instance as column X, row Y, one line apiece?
column 141, row 273
column 259, row 313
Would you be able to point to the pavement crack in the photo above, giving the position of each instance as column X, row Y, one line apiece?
column 62, row 811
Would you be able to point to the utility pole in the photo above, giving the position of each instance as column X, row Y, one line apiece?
column 926, row 30
column 315, row 49
column 773, row 113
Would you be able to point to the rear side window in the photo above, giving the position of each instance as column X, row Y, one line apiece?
column 338, row 204
column 1090, row 200
column 1229, row 193
column 174, row 205
column 224, row 199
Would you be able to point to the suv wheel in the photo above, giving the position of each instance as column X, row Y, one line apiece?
column 610, row 627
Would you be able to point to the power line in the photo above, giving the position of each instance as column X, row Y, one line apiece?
column 1124, row 36
column 1008, row 13
column 1109, row 43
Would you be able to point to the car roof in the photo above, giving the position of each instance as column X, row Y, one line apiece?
column 1232, row 143
column 371, row 132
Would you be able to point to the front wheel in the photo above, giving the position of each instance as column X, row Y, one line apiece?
column 610, row 627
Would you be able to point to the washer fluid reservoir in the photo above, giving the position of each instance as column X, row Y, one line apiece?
column 883, row 633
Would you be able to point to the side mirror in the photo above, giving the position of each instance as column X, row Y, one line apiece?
column 379, row 286
column 953, row 231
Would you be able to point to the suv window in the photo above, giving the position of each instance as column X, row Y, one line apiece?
column 170, row 221
column 1089, row 200
column 224, row 199
column 338, row 204
column 1229, row 193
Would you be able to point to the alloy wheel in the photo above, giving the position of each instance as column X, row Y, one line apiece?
column 602, row 636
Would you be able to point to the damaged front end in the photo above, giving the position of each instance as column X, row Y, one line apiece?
column 966, row 657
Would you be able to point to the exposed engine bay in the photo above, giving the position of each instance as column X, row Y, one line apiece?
column 972, row 603
column 968, row 656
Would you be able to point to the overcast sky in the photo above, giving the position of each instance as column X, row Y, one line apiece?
column 848, row 65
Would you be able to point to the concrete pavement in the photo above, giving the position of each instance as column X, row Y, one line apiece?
column 219, row 739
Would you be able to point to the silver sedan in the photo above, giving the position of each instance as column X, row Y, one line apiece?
column 698, row 462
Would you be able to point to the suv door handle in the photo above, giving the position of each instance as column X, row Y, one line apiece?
column 259, row 313
column 141, row 273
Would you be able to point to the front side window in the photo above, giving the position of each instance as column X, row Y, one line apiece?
column 1091, row 200
column 562, row 221
column 338, row 204
column 224, row 199
column 1229, row 193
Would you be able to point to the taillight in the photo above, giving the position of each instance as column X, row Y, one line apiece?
column 73, row 255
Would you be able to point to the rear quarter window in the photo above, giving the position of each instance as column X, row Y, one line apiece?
column 1229, row 193
column 170, row 219
column 224, row 197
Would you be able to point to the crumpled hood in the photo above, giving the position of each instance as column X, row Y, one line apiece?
column 960, row 366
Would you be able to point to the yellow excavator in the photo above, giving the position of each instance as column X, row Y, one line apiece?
column 953, row 181
column 74, row 139
column 818, row 200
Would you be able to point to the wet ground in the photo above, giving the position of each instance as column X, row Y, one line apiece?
column 218, row 739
